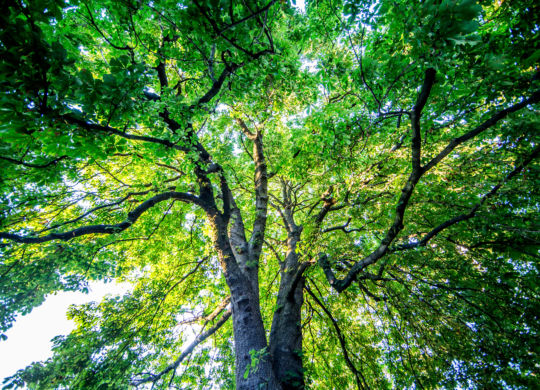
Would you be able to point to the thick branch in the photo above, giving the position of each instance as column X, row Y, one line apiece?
column 261, row 198
column 226, row 195
column 162, row 75
column 287, row 214
column 209, row 95
column 247, row 132
column 216, row 86
column 104, row 229
column 328, row 203
column 237, row 235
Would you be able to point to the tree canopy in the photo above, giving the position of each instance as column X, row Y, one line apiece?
column 341, row 195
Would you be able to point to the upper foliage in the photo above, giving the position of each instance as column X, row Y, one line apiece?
column 106, row 104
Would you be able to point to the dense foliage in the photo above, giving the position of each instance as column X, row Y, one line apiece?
column 341, row 196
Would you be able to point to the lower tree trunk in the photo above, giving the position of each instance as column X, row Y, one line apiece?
column 254, row 369
column 286, row 333
column 253, row 364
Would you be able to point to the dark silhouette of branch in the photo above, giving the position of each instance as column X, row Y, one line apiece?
column 406, row 193
column 535, row 98
column 111, row 130
column 232, row 42
column 421, row 101
column 32, row 165
column 104, row 229
column 96, row 27
column 258, row 12
column 115, row 203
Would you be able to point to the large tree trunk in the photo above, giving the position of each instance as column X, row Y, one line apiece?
column 286, row 333
column 253, row 364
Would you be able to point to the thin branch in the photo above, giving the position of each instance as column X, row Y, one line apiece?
column 199, row 339
column 341, row 339
column 259, row 11
column 107, row 129
column 535, row 98
column 94, row 24
column 92, row 210
column 209, row 317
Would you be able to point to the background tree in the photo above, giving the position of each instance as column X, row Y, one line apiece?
column 355, row 185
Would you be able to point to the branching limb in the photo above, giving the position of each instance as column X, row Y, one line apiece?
column 345, row 228
column 218, row 31
column 237, row 234
column 216, row 86
column 247, row 132
column 408, row 188
column 287, row 212
column 328, row 202
column 111, row 130
column 406, row 193
column 94, row 209
column 256, row 13
column 107, row 39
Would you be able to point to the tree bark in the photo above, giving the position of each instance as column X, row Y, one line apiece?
column 253, row 364
column 286, row 332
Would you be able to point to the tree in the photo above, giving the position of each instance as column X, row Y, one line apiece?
column 355, row 186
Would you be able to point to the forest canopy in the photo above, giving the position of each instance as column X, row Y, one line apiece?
column 341, row 194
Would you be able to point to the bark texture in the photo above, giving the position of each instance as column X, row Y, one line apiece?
column 286, row 334
column 248, row 328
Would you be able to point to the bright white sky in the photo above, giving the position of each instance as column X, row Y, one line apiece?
column 29, row 339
